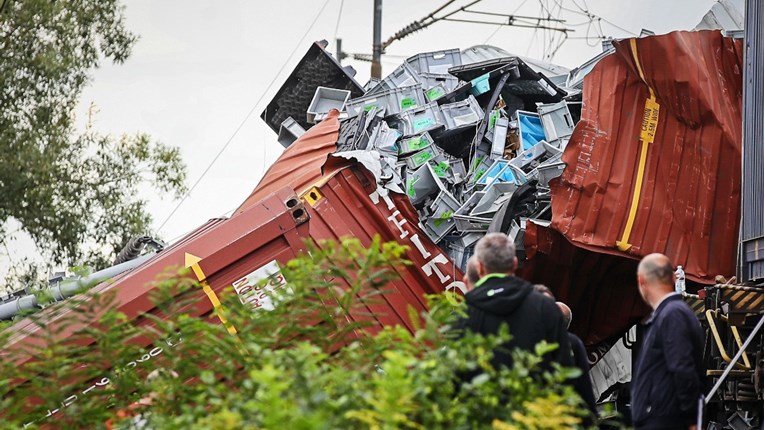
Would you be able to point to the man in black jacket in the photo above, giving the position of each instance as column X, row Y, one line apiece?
column 499, row 298
column 667, row 381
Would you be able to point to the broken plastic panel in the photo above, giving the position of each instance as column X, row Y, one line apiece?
column 529, row 159
column 529, row 129
column 548, row 171
column 394, row 101
column 421, row 184
column 499, row 137
column 556, row 121
column 325, row 99
column 517, row 235
column 480, row 163
column 461, row 115
column 502, row 171
column 419, row 120
column 465, row 222
column 435, row 62
column 414, row 143
column 289, row 131
column 403, row 76
column 441, row 221
column 384, row 139
column 493, row 197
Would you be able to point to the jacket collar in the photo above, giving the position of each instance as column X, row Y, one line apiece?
column 483, row 280
column 671, row 297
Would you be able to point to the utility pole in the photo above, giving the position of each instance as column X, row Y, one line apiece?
column 377, row 40
column 339, row 50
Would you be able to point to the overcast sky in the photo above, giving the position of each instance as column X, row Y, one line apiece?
column 200, row 67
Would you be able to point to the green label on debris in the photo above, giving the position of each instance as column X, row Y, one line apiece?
column 410, row 186
column 441, row 169
column 408, row 103
column 434, row 93
column 418, row 143
column 421, row 157
column 493, row 118
column 422, row 123
column 477, row 162
column 443, row 218
column 479, row 174
column 367, row 108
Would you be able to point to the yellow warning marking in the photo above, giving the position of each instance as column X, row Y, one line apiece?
column 647, row 136
column 720, row 347
column 312, row 196
column 192, row 261
column 650, row 120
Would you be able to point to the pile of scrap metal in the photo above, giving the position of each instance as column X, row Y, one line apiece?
column 637, row 151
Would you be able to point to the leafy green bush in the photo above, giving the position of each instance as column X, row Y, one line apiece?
column 316, row 361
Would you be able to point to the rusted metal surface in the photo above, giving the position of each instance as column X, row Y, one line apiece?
column 266, row 229
column 346, row 202
column 350, row 204
column 300, row 165
column 687, row 204
column 600, row 288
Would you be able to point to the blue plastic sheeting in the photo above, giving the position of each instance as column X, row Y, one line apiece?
column 531, row 130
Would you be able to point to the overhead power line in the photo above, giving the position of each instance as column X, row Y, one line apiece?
column 512, row 20
column 244, row 121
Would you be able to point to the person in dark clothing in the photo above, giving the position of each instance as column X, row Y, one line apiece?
column 667, row 380
column 471, row 273
column 499, row 298
column 582, row 384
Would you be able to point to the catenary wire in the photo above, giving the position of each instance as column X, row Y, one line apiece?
column 499, row 27
column 244, row 121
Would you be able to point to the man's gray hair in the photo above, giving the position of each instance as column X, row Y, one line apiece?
column 496, row 253
column 657, row 268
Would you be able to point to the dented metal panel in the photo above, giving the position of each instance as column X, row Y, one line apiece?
column 300, row 165
column 600, row 288
column 263, row 231
column 349, row 204
column 654, row 165
column 344, row 202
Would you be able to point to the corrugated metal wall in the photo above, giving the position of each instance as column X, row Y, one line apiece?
column 752, row 151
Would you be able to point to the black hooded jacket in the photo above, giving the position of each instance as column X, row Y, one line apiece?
column 530, row 317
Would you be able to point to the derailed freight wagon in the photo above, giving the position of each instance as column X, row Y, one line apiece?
column 638, row 151
column 586, row 174
column 326, row 199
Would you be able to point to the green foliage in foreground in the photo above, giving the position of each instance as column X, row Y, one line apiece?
column 317, row 361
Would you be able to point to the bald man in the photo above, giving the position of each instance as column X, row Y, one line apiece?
column 667, row 378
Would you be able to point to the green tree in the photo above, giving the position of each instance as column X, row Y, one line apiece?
column 76, row 194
